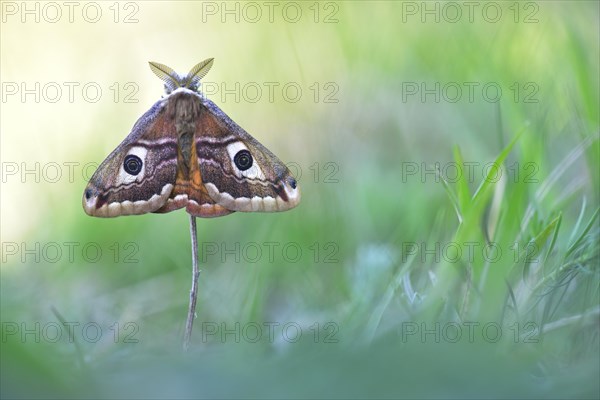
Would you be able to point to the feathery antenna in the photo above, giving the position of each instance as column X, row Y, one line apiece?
column 165, row 74
column 199, row 71
column 173, row 80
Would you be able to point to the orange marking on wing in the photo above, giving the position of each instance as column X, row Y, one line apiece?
column 201, row 204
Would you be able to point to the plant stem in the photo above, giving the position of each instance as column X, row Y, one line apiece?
column 194, row 291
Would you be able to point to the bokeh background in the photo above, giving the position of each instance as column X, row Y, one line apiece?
column 368, row 288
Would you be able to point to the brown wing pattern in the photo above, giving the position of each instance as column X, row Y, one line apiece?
column 138, row 176
column 265, row 185
column 186, row 152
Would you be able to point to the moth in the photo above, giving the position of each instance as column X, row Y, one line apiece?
column 186, row 152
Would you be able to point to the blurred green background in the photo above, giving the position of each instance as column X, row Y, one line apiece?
column 368, row 288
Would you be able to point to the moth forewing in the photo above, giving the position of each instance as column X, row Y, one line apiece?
column 138, row 176
column 239, row 172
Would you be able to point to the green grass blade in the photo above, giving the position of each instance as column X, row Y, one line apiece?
column 462, row 186
column 585, row 231
column 486, row 183
column 453, row 198
column 579, row 219
column 553, row 242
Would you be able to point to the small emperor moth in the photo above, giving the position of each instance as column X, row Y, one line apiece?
column 186, row 152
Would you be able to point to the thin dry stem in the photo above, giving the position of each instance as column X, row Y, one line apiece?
column 194, row 291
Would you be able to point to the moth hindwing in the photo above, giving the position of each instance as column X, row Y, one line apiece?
column 186, row 152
